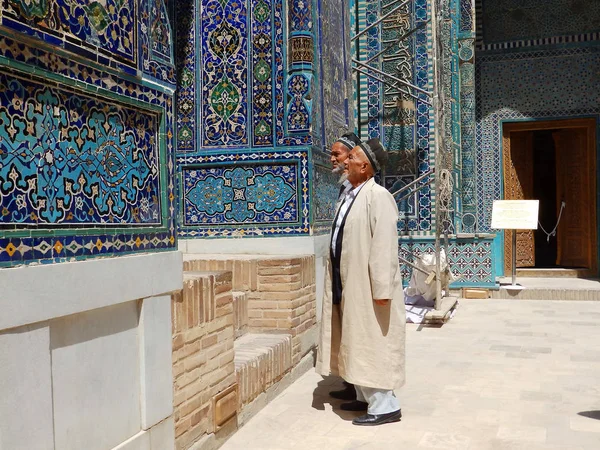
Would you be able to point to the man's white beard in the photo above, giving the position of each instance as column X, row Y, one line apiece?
column 343, row 178
column 337, row 169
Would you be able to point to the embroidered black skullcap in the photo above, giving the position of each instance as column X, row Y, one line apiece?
column 375, row 152
column 350, row 140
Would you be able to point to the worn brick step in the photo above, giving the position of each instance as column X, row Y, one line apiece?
column 240, row 313
column 197, row 302
column 260, row 360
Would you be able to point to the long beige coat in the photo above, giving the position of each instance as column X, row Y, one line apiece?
column 371, row 349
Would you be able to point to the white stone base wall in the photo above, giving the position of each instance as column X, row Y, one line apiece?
column 85, row 354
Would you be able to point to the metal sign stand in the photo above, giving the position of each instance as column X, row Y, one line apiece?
column 515, row 215
column 514, row 286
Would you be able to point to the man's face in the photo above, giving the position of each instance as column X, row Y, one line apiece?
column 357, row 166
column 339, row 153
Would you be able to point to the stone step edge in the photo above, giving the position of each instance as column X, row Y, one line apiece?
column 260, row 361
column 550, row 294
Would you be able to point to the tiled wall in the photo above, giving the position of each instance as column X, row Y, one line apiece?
column 406, row 124
column 524, row 23
column 536, row 78
column 400, row 120
column 250, row 113
column 86, row 127
column 534, row 62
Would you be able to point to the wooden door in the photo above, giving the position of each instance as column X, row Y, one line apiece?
column 518, row 185
column 575, row 179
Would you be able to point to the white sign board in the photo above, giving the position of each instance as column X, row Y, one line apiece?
column 515, row 214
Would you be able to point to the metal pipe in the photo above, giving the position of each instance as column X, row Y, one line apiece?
column 391, row 85
column 438, row 142
column 414, row 266
column 401, row 38
column 406, row 83
column 404, row 188
column 390, row 4
column 514, row 257
column 415, row 191
column 393, row 58
column 382, row 18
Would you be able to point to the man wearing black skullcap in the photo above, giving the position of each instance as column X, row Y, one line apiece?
column 364, row 279
column 339, row 154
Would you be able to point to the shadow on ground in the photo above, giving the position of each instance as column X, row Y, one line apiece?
column 321, row 397
column 590, row 414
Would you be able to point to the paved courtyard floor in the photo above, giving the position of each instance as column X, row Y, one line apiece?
column 503, row 374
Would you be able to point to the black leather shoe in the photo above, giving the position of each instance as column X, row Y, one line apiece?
column 378, row 419
column 348, row 393
column 355, row 405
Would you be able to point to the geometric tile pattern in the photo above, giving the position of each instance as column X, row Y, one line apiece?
column 246, row 90
column 69, row 158
column 186, row 68
column 512, row 20
column 405, row 121
column 107, row 151
column 245, row 193
column 325, row 193
column 467, row 16
column 335, row 77
column 156, row 42
column 468, row 190
column 288, row 89
column 260, row 194
column 224, row 62
column 470, row 261
column 107, row 27
column 262, row 73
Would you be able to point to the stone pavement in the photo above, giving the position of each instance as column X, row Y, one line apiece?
column 503, row 374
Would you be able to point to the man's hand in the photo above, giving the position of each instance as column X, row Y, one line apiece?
column 381, row 302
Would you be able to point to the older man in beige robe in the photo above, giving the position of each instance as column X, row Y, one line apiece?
column 363, row 304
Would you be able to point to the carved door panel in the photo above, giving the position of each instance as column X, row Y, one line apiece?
column 518, row 185
column 574, row 235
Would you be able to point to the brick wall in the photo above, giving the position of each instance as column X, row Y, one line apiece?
column 203, row 353
column 281, row 291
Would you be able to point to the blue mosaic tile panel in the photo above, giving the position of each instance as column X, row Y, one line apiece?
column 245, row 193
column 298, row 114
column 398, row 106
column 156, row 41
column 262, row 73
column 326, row 190
column 374, row 106
column 467, row 16
column 160, row 32
column 224, row 36
column 335, row 69
column 281, row 89
column 260, row 194
column 47, row 242
column 470, row 261
column 468, row 126
column 69, row 158
column 185, row 14
column 527, row 86
column 108, row 26
column 300, row 15
column 509, row 20
column 406, row 130
column 406, row 207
